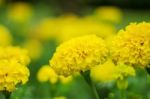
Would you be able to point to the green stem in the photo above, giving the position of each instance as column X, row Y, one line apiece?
column 95, row 91
column 148, row 70
column 7, row 94
column 86, row 76
column 122, row 94
column 52, row 89
column 122, row 86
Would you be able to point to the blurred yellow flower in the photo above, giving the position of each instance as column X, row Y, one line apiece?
column 132, row 45
column 15, row 53
column 66, row 27
column 20, row 12
column 109, row 13
column 60, row 97
column 5, row 36
column 34, row 48
column 55, row 28
column 109, row 71
column 101, row 29
column 46, row 73
column 79, row 54
column 82, row 27
column 12, row 73
column 46, row 29
column 104, row 72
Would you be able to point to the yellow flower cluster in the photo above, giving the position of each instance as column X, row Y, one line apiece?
column 109, row 72
column 46, row 73
column 79, row 54
column 132, row 45
column 11, row 74
column 13, row 69
column 5, row 36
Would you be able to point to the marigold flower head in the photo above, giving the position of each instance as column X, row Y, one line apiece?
column 79, row 54
column 12, row 73
column 15, row 53
column 5, row 36
column 46, row 73
column 132, row 45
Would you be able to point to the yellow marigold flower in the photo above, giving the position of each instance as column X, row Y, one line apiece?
column 15, row 53
column 20, row 12
column 122, row 71
column 132, row 45
column 12, row 73
column 104, row 72
column 60, row 97
column 79, row 54
column 5, row 36
column 31, row 45
column 46, row 73
column 109, row 13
